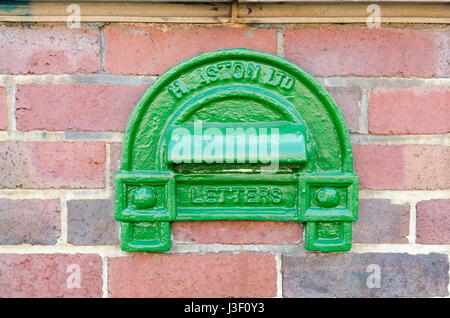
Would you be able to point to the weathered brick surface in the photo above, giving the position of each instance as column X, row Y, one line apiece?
column 427, row 167
column 433, row 222
column 91, row 222
column 190, row 275
column 115, row 152
column 348, row 98
column 379, row 166
column 380, row 221
column 39, row 50
column 347, row 275
column 52, row 165
column 50, row 275
column 368, row 52
column 149, row 50
column 421, row 167
column 29, row 222
column 3, row 109
column 88, row 107
column 238, row 232
column 409, row 111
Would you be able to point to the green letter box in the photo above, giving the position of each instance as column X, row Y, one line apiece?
column 236, row 135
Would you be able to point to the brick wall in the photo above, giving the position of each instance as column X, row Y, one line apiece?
column 65, row 98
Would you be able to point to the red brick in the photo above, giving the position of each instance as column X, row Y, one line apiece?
column 333, row 275
column 3, row 109
column 52, row 165
column 433, row 222
column 421, row 167
column 191, row 275
column 115, row 153
column 347, row 99
column 380, row 221
column 238, row 232
column 35, row 222
column 428, row 167
column 49, row 275
column 379, row 166
column 75, row 107
column 149, row 50
column 368, row 52
column 409, row 111
column 39, row 50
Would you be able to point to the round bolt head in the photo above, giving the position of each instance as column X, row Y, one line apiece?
column 144, row 198
column 328, row 197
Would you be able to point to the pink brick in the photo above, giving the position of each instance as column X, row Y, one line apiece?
column 39, row 50
column 368, row 52
column 409, row 111
column 149, row 50
column 191, row 275
column 421, row 167
column 433, row 222
column 36, row 222
column 347, row 99
column 115, row 153
column 238, row 232
column 52, row 165
column 88, row 107
column 50, row 275
column 379, row 166
column 428, row 167
column 3, row 109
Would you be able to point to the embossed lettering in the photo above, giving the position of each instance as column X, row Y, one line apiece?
column 238, row 70
column 252, row 72
column 177, row 89
column 209, row 195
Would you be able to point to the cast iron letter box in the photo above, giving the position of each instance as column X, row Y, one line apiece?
column 236, row 135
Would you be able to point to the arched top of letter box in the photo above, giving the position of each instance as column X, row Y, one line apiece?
column 196, row 148
column 171, row 95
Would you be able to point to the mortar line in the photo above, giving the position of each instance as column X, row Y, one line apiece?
column 279, row 266
column 438, row 139
column 130, row 79
column 187, row 248
column 280, row 42
column 404, row 196
column 47, row 194
column 370, row 83
column 234, row 13
column 58, row 136
column 104, row 277
column 11, row 105
column 78, row 78
column 412, row 222
column 364, row 108
column 62, row 240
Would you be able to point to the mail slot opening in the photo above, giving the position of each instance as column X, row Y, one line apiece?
column 237, row 147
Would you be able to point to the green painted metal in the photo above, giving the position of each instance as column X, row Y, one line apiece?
column 242, row 143
column 236, row 135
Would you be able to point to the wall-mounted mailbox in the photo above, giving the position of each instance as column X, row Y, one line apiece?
column 236, row 135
